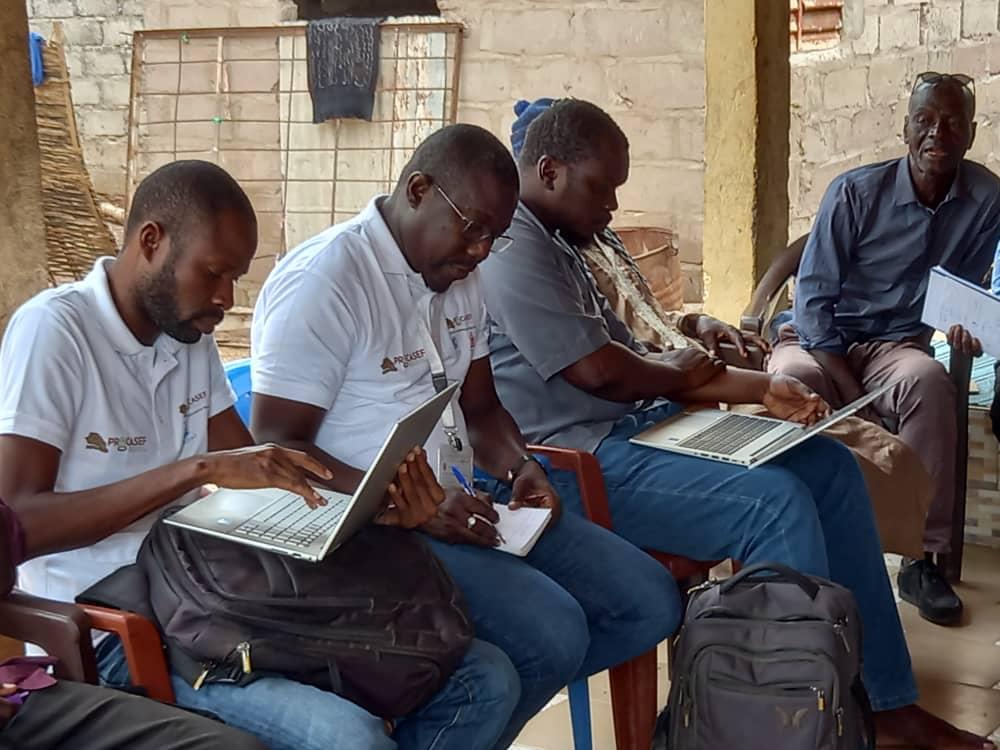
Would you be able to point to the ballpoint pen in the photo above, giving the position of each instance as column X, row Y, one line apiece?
column 467, row 488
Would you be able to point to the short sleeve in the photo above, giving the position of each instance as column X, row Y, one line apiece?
column 41, row 366
column 533, row 301
column 481, row 348
column 303, row 334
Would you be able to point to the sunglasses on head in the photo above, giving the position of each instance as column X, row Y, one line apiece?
column 931, row 78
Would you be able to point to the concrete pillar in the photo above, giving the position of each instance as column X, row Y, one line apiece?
column 22, row 231
column 747, row 81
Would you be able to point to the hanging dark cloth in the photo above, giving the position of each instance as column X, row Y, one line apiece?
column 343, row 63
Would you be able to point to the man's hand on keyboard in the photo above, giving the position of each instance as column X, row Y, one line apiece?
column 788, row 398
column 263, row 466
column 413, row 498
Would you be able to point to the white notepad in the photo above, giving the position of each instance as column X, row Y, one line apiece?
column 951, row 300
column 520, row 528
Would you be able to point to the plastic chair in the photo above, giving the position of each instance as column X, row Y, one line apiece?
column 238, row 372
column 62, row 630
column 772, row 297
column 633, row 684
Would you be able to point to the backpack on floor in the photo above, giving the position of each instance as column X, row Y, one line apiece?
column 769, row 659
column 379, row 621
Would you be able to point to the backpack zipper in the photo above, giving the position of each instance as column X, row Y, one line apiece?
column 776, row 689
column 820, row 698
column 243, row 649
column 838, row 628
column 200, row 679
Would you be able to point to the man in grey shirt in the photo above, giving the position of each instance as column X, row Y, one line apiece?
column 860, row 293
column 571, row 374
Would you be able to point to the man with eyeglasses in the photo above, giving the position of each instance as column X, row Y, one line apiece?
column 573, row 375
column 366, row 320
column 860, row 292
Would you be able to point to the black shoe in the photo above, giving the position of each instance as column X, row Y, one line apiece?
column 922, row 585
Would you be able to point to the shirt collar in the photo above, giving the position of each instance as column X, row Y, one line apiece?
column 561, row 242
column 906, row 194
column 120, row 335
column 390, row 256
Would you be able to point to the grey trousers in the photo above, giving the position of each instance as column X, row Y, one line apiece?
column 75, row 716
column 922, row 403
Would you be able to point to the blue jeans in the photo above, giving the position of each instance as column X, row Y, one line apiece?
column 469, row 712
column 581, row 601
column 808, row 509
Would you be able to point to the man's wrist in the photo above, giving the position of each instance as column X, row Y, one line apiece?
column 525, row 464
column 766, row 381
column 688, row 324
column 199, row 470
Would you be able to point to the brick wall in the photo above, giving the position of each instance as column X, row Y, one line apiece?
column 98, row 37
column 848, row 103
column 98, row 50
column 642, row 61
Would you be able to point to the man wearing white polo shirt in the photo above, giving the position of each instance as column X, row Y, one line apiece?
column 114, row 403
column 366, row 320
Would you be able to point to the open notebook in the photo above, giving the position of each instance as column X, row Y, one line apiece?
column 520, row 528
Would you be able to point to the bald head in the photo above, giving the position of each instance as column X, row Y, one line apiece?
column 950, row 87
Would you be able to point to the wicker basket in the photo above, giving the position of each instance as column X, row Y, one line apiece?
column 655, row 250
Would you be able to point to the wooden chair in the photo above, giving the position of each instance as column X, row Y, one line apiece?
column 772, row 296
column 634, row 683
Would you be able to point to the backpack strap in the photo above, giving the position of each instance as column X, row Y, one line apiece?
column 867, row 713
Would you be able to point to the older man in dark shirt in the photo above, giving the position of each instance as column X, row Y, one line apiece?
column 40, row 713
column 860, row 293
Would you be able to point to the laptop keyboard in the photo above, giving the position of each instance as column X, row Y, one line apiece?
column 289, row 521
column 728, row 435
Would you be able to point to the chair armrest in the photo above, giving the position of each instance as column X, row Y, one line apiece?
column 61, row 629
column 960, row 372
column 147, row 666
column 732, row 357
column 960, row 369
column 594, row 497
column 589, row 479
column 772, row 288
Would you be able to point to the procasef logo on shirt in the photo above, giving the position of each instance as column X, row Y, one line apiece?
column 404, row 361
column 458, row 321
column 185, row 408
column 95, row 441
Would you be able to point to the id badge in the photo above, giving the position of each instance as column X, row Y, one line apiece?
column 448, row 457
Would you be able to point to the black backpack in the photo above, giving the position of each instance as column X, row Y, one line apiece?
column 379, row 621
column 769, row 659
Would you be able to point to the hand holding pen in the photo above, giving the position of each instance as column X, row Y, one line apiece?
column 475, row 518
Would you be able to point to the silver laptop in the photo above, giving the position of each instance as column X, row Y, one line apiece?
column 743, row 439
column 280, row 521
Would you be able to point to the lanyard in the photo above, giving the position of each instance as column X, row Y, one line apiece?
column 438, row 376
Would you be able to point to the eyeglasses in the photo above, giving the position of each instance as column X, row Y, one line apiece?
column 475, row 233
column 931, row 78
